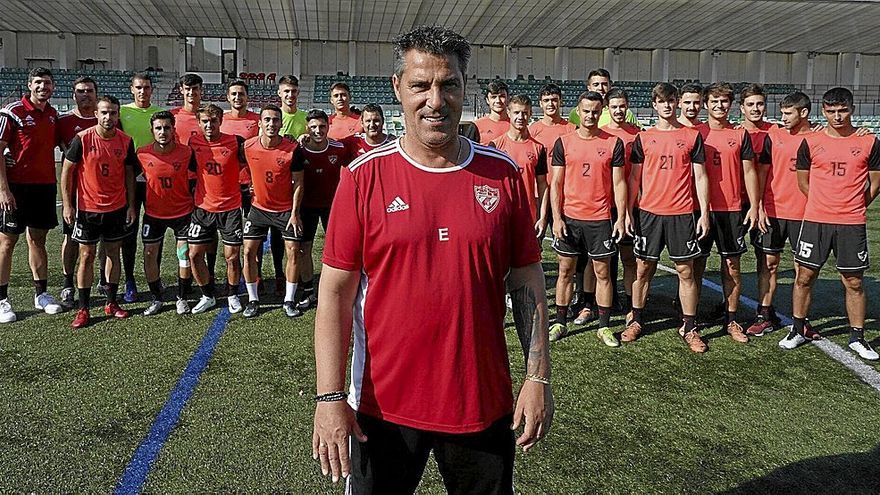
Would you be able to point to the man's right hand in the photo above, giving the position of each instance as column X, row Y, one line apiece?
column 559, row 230
column 68, row 214
column 7, row 200
column 334, row 423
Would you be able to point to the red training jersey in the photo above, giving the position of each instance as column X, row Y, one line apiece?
column 588, row 185
column 100, row 169
column 838, row 169
column 70, row 124
column 667, row 159
column 31, row 135
column 757, row 136
column 246, row 127
column 491, row 129
column 167, row 179
column 186, row 125
column 425, row 238
column 725, row 151
column 628, row 135
column 343, row 126
column 357, row 144
column 272, row 169
column 531, row 156
column 322, row 173
column 548, row 134
column 782, row 197
column 217, row 165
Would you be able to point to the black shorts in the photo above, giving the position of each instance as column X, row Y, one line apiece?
column 310, row 218
column 677, row 233
column 727, row 232
column 258, row 223
column 35, row 207
column 204, row 226
column 154, row 228
column 394, row 458
column 90, row 228
column 817, row 240
column 591, row 238
column 781, row 230
column 66, row 228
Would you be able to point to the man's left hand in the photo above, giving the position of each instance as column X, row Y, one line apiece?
column 534, row 406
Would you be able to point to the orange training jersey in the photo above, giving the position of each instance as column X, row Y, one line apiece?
column 782, row 197
column 588, row 185
column 342, row 126
column 725, row 151
column 628, row 136
column 548, row 134
column 490, row 129
column 667, row 159
column 271, row 170
column 167, row 178
column 186, row 125
column 100, row 169
column 217, row 165
column 246, row 127
column 838, row 169
column 531, row 156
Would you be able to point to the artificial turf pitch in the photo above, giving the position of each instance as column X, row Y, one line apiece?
column 649, row 417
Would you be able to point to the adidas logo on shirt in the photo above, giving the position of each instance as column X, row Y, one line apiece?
column 397, row 205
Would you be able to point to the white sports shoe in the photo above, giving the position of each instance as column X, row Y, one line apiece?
column 47, row 303
column 204, row 304
column 792, row 340
column 6, row 313
column 234, row 304
column 182, row 306
column 864, row 350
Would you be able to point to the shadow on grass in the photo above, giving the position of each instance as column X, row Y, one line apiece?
column 855, row 473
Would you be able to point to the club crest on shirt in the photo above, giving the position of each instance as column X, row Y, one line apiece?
column 118, row 152
column 225, row 152
column 855, row 151
column 680, row 143
column 531, row 156
column 487, row 197
column 601, row 151
column 280, row 161
column 819, row 150
column 175, row 165
column 332, row 159
column 731, row 143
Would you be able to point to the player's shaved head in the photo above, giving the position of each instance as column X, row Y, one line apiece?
column 435, row 40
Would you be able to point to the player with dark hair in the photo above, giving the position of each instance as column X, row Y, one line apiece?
column 344, row 122
column 441, row 223
column 599, row 80
column 168, row 204
column 373, row 122
column 99, row 170
column 690, row 104
column 551, row 126
column 293, row 120
column 277, row 182
column 667, row 164
column 186, row 121
column 497, row 122
column 589, row 180
column 27, row 188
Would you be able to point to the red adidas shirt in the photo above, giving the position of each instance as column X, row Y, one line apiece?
column 342, row 126
column 186, row 125
column 271, row 169
column 491, row 130
column 838, row 173
column 531, row 156
column 100, row 169
column 628, row 136
column 667, row 159
column 167, row 179
column 71, row 124
column 782, row 197
column 357, row 144
column 725, row 151
column 548, row 134
column 428, row 242
column 246, row 127
column 31, row 135
column 217, row 165
column 322, row 173
column 588, row 186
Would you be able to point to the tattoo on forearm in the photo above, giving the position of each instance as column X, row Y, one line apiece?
column 529, row 315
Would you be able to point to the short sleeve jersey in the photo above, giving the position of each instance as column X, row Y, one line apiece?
column 246, row 127
column 31, row 135
column 604, row 119
column 136, row 122
column 271, row 169
column 548, row 134
column 667, row 159
column 782, row 197
column 186, row 125
column 99, row 169
column 838, row 169
column 491, row 130
column 167, row 179
column 358, row 145
column 725, row 151
column 322, row 173
column 217, row 166
column 344, row 126
column 588, row 186
column 434, row 238
column 293, row 124
column 628, row 136
column 531, row 156
column 70, row 124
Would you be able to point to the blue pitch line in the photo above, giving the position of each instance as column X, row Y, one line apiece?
column 135, row 474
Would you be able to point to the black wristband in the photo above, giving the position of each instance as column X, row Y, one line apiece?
column 331, row 397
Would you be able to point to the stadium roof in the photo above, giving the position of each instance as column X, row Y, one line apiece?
column 772, row 25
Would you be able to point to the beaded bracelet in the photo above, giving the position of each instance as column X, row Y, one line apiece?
column 331, row 397
column 536, row 378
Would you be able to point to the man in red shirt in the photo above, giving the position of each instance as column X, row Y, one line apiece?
column 27, row 188
column 85, row 95
column 690, row 104
column 344, row 122
column 99, row 170
column 839, row 172
column 186, row 121
column 587, row 180
column 167, row 205
column 321, row 159
column 277, row 182
column 373, row 122
column 667, row 165
column 433, row 221
column 551, row 126
column 218, row 160
column 497, row 122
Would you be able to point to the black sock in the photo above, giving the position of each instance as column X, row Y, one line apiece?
column 212, row 262
column 4, row 291
column 637, row 315
column 690, row 323
column 729, row 316
column 183, row 286
column 763, row 311
column 103, row 281
column 156, row 288
column 208, row 289
column 276, row 243
column 84, row 295
column 112, row 289
column 798, row 324
column 308, row 287
column 40, row 286
column 856, row 334
column 604, row 316
column 68, row 280
column 231, row 290
column 561, row 313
